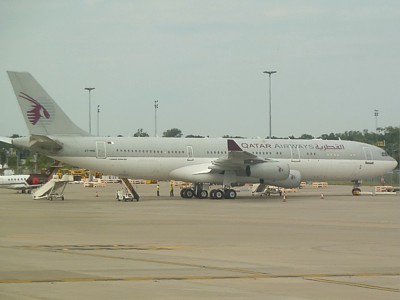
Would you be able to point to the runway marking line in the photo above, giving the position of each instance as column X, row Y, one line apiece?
column 101, row 247
column 361, row 285
column 311, row 277
column 168, row 263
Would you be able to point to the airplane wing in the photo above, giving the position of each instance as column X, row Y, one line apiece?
column 6, row 140
column 237, row 159
column 236, row 163
column 16, row 186
column 23, row 186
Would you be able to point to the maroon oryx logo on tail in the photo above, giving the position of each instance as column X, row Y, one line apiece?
column 38, row 111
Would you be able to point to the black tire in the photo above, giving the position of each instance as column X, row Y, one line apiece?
column 219, row 194
column 212, row 194
column 230, row 194
column 189, row 193
column 356, row 192
column 203, row 194
column 183, row 193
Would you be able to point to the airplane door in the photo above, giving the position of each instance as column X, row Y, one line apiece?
column 295, row 154
column 189, row 150
column 369, row 159
column 101, row 149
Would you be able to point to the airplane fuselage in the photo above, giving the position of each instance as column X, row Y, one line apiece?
column 17, row 182
column 160, row 158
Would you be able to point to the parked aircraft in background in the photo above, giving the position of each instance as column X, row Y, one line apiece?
column 26, row 183
column 229, row 162
column 17, row 182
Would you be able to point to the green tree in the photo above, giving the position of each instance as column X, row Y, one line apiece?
column 141, row 133
column 194, row 136
column 173, row 132
column 330, row 136
column 227, row 136
column 305, row 136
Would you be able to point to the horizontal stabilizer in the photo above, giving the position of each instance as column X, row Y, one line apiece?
column 44, row 143
column 38, row 143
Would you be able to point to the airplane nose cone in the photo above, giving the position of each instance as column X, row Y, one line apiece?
column 394, row 165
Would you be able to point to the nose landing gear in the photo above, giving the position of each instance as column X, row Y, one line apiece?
column 356, row 191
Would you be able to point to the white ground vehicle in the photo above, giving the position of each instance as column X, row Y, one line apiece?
column 265, row 190
column 125, row 195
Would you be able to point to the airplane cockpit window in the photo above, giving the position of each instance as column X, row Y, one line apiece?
column 384, row 153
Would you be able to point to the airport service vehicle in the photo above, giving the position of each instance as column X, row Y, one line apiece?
column 227, row 162
column 265, row 190
column 54, row 188
column 124, row 195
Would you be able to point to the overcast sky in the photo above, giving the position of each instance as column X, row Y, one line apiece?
column 336, row 62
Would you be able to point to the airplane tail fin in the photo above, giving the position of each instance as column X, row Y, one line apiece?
column 42, row 114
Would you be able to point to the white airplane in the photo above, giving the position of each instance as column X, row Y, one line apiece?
column 26, row 183
column 16, row 182
column 228, row 162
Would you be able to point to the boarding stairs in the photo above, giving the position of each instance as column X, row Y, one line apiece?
column 54, row 188
column 129, row 188
column 258, row 189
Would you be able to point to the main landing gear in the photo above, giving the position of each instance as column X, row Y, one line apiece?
column 356, row 191
column 199, row 192
column 224, row 193
column 190, row 193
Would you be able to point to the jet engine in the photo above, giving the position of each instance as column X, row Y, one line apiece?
column 293, row 181
column 269, row 170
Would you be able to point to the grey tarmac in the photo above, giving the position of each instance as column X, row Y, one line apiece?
column 91, row 246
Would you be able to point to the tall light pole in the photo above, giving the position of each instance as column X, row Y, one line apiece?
column 155, row 117
column 98, row 114
column 376, row 114
column 90, row 110
column 270, row 110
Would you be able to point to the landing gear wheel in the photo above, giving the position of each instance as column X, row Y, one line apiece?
column 212, row 194
column 183, row 191
column 230, row 194
column 218, row 194
column 202, row 194
column 189, row 193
